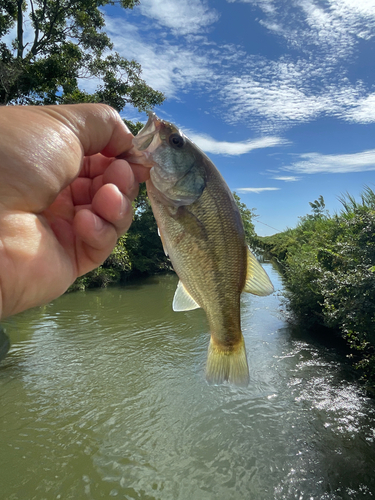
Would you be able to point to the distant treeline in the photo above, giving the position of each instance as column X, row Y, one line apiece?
column 329, row 270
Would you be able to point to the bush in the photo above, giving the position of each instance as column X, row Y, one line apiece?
column 329, row 267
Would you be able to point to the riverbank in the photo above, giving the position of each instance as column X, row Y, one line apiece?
column 328, row 264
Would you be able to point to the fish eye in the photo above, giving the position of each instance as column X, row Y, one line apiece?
column 176, row 141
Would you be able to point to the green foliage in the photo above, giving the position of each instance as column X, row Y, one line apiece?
column 329, row 265
column 68, row 44
column 143, row 242
column 98, row 278
column 247, row 216
column 113, row 270
column 133, row 127
column 279, row 244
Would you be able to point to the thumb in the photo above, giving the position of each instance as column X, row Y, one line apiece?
column 98, row 127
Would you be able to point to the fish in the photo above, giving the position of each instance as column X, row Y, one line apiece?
column 202, row 233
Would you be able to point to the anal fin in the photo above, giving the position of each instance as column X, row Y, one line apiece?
column 257, row 280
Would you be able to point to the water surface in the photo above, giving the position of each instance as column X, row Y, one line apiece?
column 103, row 395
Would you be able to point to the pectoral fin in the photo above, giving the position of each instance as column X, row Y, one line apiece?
column 162, row 242
column 182, row 300
column 257, row 280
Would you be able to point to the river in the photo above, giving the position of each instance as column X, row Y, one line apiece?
column 103, row 395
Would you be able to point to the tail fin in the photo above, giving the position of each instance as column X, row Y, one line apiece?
column 224, row 365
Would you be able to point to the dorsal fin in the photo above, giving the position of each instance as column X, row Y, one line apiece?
column 182, row 300
column 257, row 280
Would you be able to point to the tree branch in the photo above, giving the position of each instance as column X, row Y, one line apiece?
column 46, row 36
column 19, row 30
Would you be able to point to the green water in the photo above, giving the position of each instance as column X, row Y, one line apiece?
column 103, row 395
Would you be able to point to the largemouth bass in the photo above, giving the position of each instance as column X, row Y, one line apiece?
column 202, row 233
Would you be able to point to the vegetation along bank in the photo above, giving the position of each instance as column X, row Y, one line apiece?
column 329, row 270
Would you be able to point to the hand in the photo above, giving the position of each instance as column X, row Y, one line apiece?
column 64, row 197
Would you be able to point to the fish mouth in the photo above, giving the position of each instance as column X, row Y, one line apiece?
column 153, row 133
column 144, row 143
column 147, row 135
column 148, row 139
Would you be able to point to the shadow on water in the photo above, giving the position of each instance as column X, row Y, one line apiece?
column 103, row 395
column 4, row 344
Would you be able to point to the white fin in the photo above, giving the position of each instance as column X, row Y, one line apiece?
column 257, row 280
column 182, row 300
column 162, row 242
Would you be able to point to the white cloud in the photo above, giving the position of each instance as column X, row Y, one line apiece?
column 287, row 178
column 182, row 17
column 280, row 94
column 210, row 145
column 277, row 99
column 166, row 66
column 333, row 26
column 263, row 94
column 363, row 110
column 256, row 190
column 316, row 163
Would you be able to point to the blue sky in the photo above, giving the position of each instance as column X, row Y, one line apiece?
column 279, row 94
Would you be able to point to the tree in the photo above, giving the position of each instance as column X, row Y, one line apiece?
column 143, row 242
column 68, row 44
column 318, row 208
column 247, row 216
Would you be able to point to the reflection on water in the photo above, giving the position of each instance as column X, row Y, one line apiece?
column 103, row 395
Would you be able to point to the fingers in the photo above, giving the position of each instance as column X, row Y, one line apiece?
column 97, row 230
column 121, row 174
column 95, row 237
column 114, row 207
column 118, row 172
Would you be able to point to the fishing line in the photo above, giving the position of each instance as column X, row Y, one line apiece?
column 264, row 224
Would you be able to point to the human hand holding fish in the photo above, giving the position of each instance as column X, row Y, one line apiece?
column 64, row 197
column 201, row 230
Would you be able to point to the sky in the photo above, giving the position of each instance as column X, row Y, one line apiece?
column 279, row 94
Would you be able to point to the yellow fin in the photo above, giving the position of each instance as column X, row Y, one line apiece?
column 182, row 300
column 257, row 280
column 224, row 365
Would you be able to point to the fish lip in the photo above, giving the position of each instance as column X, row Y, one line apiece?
column 145, row 137
column 144, row 143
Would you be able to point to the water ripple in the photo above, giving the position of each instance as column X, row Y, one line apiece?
column 103, row 395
